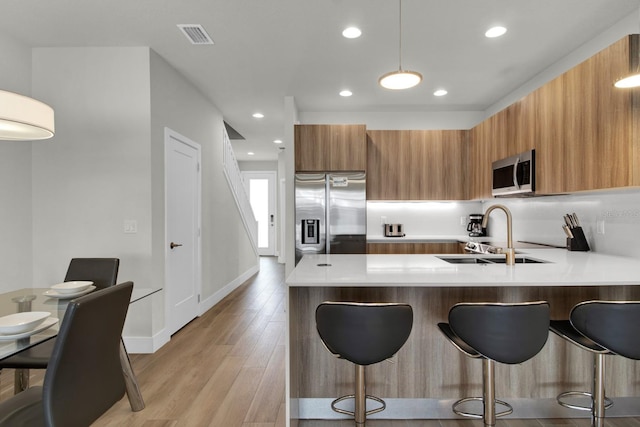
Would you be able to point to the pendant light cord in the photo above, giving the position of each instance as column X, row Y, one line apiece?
column 400, row 36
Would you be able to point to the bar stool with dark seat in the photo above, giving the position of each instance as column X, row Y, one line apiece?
column 496, row 332
column 602, row 328
column 364, row 334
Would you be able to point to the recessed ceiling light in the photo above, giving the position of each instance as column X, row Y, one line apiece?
column 440, row 92
column 346, row 93
column 351, row 33
column 258, row 115
column 251, row 153
column 495, row 32
column 277, row 141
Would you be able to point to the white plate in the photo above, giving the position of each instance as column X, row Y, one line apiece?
column 54, row 294
column 71, row 287
column 48, row 322
column 18, row 323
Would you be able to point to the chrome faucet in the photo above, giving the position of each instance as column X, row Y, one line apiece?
column 509, row 252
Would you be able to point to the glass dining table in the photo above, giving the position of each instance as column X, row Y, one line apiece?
column 37, row 299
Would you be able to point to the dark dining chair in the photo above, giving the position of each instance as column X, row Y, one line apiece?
column 103, row 272
column 84, row 377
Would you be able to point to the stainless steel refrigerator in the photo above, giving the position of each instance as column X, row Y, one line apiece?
column 331, row 213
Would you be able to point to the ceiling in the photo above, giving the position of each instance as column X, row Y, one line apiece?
column 266, row 50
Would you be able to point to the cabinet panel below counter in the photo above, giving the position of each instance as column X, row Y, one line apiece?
column 406, row 248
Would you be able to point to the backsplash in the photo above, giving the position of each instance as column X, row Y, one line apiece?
column 421, row 218
column 610, row 219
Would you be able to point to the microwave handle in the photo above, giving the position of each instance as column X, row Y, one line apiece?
column 515, row 173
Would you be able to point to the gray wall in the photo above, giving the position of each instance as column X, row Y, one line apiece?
column 15, row 177
column 69, row 196
column 226, row 248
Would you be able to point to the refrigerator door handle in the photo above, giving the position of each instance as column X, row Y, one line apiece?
column 327, row 222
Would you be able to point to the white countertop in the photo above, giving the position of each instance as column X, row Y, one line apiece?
column 564, row 268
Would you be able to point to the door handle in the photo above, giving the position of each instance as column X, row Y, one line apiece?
column 174, row 245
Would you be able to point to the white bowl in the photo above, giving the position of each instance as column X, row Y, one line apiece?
column 18, row 323
column 71, row 287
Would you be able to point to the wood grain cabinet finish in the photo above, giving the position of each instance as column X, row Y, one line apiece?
column 416, row 165
column 330, row 148
column 585, row 131
column 416, row 248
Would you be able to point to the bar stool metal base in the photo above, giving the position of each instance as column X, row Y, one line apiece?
column 608, row 403
column 360, row 397
column 457, row 411
column 353, row 396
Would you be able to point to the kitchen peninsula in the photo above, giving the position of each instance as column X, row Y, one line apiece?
column 429, row 373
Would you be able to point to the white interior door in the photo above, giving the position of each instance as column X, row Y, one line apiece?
column 261, row 188
column 182, row 198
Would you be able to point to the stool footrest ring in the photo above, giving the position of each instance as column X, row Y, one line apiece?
column 457, row 403
column 608, row 403
column 352, row 396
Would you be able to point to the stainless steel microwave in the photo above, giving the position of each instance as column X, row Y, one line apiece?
column 515, row 175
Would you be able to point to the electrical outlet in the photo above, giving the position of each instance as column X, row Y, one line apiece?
column 600, row 226
column 130, row 226
column 463, row 220
column 383, row 220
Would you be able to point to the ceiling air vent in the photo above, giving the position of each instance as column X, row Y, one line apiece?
column 195, row 33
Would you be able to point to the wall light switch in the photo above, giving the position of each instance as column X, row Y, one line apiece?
column 130, row 226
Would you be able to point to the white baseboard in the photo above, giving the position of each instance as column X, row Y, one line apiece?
column 208, row 303
column 146, row 345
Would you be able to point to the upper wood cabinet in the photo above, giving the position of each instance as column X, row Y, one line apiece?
column 584, row 131
column 330, row 148
column 416, row 165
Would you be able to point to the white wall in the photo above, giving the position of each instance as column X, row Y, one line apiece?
column 15, row 177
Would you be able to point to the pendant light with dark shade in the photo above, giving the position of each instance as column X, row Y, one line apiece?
column 400, row 79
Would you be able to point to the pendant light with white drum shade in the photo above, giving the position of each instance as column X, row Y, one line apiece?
column 24, row 119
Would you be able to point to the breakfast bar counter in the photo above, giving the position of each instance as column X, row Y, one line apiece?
column 428, row 373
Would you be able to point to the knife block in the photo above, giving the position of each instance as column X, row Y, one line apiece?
column 578, row 242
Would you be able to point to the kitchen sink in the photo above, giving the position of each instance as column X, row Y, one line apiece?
column 490, row 260
column 466, row 260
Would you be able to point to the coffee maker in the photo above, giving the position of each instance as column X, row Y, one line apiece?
column 475, row 226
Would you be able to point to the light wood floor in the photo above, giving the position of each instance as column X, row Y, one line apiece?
column 226, row 369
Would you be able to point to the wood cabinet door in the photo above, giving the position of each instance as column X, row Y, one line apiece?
column 580, row 126
column 417, row 165
column 330, row 148
column 416, row 248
